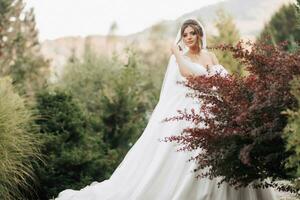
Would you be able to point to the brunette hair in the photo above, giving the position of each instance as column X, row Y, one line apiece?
column 195, row 25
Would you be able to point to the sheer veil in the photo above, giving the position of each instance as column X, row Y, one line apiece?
column 172, row 74
column 181, row 43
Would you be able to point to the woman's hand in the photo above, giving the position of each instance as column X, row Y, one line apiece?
column 175, row 50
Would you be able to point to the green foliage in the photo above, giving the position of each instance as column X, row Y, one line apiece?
column 19, row 145
column 283, row 26
column 227, row 34
column 298, row 13
column 125, row 102
column 98, row 82
column 19, row 47
column 75, row 156
column 292, row 135
column 4, row 8
column 154, row 58
column 105, row 81
column 4, row 4
column 105, row 102
column 292, row 130
column 85, row 79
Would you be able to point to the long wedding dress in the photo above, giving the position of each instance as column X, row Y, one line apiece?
column 153, row 169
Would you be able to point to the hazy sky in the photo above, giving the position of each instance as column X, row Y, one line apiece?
column 57, row 18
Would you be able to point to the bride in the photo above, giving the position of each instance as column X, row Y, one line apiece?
column 154, row 170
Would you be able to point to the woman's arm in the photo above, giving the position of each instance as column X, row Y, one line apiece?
column 222, row 71
column 186, row 67
column 214, row 58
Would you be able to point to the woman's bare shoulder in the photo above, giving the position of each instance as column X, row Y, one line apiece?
column 207, row 52
column 185, row 55
column 212, row 56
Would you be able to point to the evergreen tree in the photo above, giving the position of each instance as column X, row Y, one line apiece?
column 155, row 57
column 292, row 130
column 75, row 155
column 4, row 24
column 20, row 56
column 111, row 38
column 292, row 135
column 116, row 99
column 125, row 103
column 283, row 26
column 227, row 34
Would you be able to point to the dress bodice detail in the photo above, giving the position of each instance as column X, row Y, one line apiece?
column 199, row 69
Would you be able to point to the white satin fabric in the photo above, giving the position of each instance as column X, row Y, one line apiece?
column 153, row 170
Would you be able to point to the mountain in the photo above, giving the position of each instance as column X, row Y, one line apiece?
column 249, row 15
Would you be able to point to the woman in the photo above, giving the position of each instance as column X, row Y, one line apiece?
column 153, row 170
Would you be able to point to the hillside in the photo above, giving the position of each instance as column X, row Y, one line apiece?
column 250, row 17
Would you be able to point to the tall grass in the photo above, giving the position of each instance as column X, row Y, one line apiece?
column 19, row 146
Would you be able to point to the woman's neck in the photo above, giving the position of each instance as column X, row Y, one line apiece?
column 194, row 50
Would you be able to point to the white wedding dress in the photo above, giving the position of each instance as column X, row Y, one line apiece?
column 154, row 170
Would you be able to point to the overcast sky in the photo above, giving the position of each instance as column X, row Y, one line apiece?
column 57, row 18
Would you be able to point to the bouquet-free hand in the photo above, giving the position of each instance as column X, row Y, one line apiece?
column 175, row 49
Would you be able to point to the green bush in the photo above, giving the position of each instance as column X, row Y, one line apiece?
column 19, row 145
column 292, row 131
column 115, row 97
column 125, row 102
column 92, row 117
column 75, row 156
column 292, row 136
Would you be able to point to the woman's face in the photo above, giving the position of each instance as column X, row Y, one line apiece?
column 190, row 37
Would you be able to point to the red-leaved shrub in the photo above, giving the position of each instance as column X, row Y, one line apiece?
column 242, row 139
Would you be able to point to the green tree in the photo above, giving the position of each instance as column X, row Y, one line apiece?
column 75, row 155
column 115, row 98
column 20, row 55
column 125, row 103
column 87, row 77
column 283, row 26
column 227, row 34
column 4, row 9
column 292, row 135
column 111, row 37
column 154, row 58
column 292, row 130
